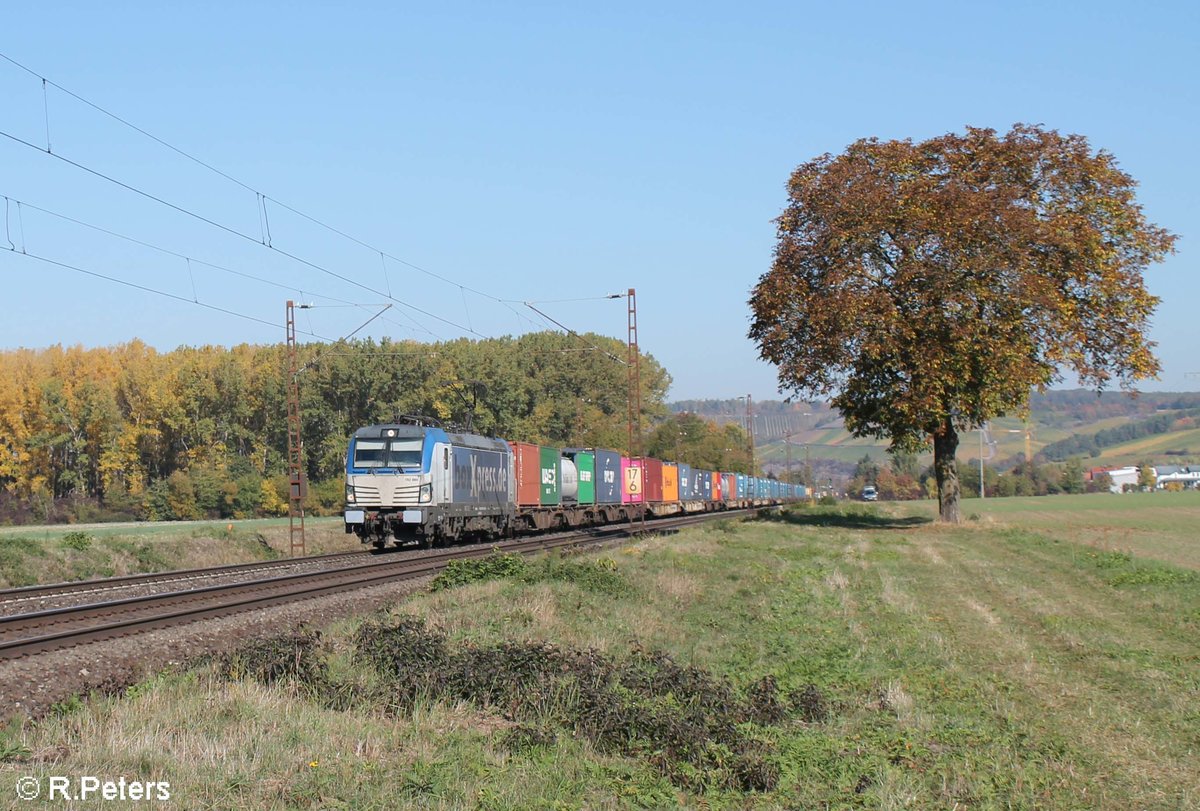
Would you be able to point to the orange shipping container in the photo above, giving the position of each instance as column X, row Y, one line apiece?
column 670, row 482
column 527, row 461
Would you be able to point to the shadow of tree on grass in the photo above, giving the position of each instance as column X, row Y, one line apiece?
column 846, row 519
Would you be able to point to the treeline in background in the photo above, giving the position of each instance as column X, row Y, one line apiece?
column 128, row 432
column 1093, row 444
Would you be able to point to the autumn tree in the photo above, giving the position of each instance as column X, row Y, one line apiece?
column 113, row 426
column 1147, row 476
column 930, row 286
column 693, row 440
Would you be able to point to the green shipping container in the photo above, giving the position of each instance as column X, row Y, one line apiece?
column 585, row 463
column 550, row 473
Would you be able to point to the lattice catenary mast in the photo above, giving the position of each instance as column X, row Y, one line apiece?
column 750, row 430
column 635, row 392
column 297, row 486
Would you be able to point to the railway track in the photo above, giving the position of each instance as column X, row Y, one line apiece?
column 10, row 598
column 30, row 633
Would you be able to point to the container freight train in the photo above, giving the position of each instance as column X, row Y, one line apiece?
column 424, row 484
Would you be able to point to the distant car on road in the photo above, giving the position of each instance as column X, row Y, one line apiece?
column 869, row 493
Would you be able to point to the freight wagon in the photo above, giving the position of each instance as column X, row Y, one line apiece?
column 421, row 483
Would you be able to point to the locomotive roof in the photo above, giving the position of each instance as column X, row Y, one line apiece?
column 408, row 430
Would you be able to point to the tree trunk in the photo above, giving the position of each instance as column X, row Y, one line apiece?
column 945, row 445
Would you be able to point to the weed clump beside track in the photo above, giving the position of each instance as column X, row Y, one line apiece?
column 599, row 575
column 696, row 728
column 295, row 658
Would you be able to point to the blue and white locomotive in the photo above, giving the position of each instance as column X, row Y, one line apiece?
column 421, row 483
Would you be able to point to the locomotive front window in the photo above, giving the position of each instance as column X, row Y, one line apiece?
column 369, row 453
column 405, row 453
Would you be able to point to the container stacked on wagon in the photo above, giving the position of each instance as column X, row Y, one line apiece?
column 424, row 484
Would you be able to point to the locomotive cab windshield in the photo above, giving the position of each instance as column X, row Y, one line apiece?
column 404, row 452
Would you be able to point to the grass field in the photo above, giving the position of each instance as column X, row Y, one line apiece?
column 1019, row 661
column 1163, row 526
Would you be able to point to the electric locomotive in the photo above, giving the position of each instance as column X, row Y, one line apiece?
column 419, row 482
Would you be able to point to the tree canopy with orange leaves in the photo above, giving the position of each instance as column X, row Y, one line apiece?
column 931, row 286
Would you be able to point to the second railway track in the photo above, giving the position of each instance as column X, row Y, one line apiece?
column 31, row 595
column 30, row 633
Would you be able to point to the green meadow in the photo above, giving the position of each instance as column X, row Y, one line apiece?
column 1043, row 655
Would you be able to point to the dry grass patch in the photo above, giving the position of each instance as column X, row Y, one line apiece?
column 983, row 611
column 895, row 596
column 836, row 581
column 676, row 586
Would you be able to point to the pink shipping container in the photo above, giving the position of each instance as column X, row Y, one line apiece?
column 631, row 481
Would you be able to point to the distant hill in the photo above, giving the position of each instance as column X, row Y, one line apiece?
column 1110, row 428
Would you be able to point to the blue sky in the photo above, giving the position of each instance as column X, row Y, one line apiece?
column 530, row 152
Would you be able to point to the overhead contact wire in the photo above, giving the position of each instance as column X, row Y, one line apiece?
column 238, row 233
column 176, row 254
column 234, row 180
column 7, row 229
column 118, row 118
column 46, row 110
column 190, row 260
column 157, row 292
column 575, row 334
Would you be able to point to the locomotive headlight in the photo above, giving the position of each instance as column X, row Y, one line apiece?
column 426, row 494
column 349, row 494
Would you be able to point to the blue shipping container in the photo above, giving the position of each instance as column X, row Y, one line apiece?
column 608, row 477
column 685, row 482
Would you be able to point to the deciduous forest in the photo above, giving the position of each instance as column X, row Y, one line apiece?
column 131, row 432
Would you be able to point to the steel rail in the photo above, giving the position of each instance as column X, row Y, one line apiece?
column 43, row 590
column 149, row 612
column 24, row 594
